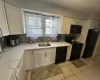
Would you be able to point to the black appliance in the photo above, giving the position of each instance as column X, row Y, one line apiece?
column 60, row 54
column 12, row 40
column 90, row 42
column 61, row 37
column 76, row 50
column 76, row 47
column 69, row 38
column 75, row 29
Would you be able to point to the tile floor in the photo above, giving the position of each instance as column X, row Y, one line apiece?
column 91, row 71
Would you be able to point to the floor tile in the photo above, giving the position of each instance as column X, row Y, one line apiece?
column 73, row 77
column 97, row 66
column 73, row 68
column 93, row 73
column 89, row 61
column 49, row 79
column 66, row 71
column 64, row 79
column 68, row 62
column 82, row 76
column 62, row 64
column 58, row 77
column 97, row 59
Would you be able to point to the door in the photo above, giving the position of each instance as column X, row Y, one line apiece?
column 61, row 53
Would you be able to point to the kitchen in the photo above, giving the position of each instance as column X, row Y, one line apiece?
column 25, row 55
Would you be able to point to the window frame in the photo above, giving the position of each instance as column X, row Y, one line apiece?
column 43, row 13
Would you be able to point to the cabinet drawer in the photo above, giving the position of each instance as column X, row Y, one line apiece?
column 52, row 50
column 45, row 50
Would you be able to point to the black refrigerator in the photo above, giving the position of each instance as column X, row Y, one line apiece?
column 90, row 42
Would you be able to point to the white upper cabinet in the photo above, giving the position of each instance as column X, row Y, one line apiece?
column 14, row 19
column 82, row 37
column 74, row 21
column 66, row 22
column 3, row 21
column 95, row 24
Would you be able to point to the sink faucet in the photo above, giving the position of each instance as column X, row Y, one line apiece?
column 41, row 39
column 44, row 39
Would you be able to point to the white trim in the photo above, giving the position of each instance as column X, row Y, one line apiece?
column 60, row 27
column 28, row 10
column 23, row 18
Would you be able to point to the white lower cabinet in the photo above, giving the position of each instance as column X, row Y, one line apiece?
column 39, row 58
column 13, row 77
column 43, row 57
column 28, row 60
column 50, row 58
column 33, row 59
column 19, row 72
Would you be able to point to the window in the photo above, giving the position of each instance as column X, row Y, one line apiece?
column 37, row 25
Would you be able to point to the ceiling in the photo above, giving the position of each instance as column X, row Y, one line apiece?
column 80, row 5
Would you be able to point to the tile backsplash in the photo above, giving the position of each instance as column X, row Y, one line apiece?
column 25, row 39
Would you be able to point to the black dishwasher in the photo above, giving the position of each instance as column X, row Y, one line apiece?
column 61, row 53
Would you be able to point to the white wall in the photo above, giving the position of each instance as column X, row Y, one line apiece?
column 45, row 7
column 96, row 16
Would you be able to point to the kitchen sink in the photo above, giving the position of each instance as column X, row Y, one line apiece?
column 44, row 44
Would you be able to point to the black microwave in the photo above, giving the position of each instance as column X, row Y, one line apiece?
column 75, row 29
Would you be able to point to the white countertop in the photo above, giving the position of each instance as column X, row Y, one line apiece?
column 10, row 58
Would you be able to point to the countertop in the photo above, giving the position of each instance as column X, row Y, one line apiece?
column 12, row 55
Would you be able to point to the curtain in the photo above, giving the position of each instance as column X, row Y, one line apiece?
column 41, row 25
column 52, row 26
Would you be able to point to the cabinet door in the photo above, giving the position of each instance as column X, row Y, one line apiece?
column 28, row 60
column 21, row 75
column 44, row 57
column 13, row 77
column 81, row 22
column 14, row 19
column 50, row 57
column 84, row 31
column 39, row 58
column 66, row 23
column 3, row 21
column 74, row 21
column 95, row 24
